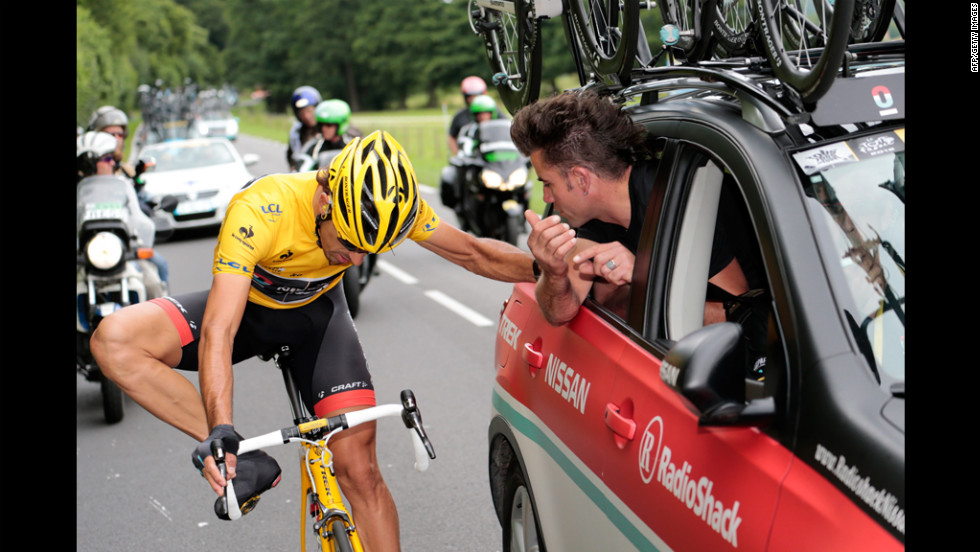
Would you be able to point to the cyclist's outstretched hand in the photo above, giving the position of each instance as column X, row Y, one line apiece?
column 204, row 461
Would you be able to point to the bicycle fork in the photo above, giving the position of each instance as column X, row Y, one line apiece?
column 326, row 507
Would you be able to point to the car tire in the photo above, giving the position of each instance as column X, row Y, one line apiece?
column 521, row 530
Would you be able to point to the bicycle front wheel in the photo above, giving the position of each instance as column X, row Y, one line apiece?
column 340, row 539
column 805, row 41
column 607, row 31
column 513, row 45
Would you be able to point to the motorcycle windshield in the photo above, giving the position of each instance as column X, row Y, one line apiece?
column 104, row 197
column 495, row 142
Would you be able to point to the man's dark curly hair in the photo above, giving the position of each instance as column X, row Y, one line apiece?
column 580, row 128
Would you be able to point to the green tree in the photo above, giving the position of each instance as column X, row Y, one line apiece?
column 97, row 80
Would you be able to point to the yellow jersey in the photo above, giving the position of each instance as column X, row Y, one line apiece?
column 269, row 235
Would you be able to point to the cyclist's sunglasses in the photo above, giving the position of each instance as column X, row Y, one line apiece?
column 106, row 159
column 117, row 134
column 350, row 247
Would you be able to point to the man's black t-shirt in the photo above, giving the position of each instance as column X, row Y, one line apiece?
column 640, row 187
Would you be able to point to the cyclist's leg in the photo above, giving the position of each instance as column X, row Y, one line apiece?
column 136, row 347
column 340, row 382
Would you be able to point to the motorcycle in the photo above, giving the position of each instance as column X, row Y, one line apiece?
column 310, row 158
column 114, row 239
column 494, row 182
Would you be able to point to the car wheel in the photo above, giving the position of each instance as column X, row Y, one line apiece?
column 521, row 528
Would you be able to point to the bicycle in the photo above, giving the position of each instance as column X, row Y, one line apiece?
column 605, row 37
column 333, row 524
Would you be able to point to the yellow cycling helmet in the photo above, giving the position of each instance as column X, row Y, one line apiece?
column 375, row 193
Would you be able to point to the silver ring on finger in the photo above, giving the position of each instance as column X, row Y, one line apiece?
column 611, row 264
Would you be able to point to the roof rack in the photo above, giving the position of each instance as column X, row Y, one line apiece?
column 765, row 101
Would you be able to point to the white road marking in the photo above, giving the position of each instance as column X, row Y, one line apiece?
column 459, row 308
column 160, row 508
column 397, row 273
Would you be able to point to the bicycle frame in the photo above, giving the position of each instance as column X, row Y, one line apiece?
column 318, row 481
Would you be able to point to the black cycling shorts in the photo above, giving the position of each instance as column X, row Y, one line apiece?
column 328, row 363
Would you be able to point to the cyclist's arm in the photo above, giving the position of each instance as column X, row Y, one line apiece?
column 222, row 315
column 494, row 259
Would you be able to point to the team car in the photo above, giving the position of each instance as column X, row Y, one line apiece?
column 641, row 430
column 202, row 173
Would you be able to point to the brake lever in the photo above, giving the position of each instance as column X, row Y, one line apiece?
column 218, row 452
column 413, row 420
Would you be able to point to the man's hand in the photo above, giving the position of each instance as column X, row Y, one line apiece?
column 204, row 461
column 609, row 261
column 550, row 241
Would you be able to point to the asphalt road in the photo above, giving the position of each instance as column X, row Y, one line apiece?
column 425, row 324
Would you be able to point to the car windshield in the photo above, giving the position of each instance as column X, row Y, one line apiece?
column 860, row 187
column 176, row 156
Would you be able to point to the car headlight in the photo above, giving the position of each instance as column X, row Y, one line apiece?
column 517, row 179
column 491, row 179
column 104, row 250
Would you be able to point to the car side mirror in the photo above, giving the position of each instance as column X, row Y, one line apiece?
column 707, row 369
column 250, row 158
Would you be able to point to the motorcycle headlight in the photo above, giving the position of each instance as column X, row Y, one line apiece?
column 517, row 178
column 491, row 179
column 104, row 250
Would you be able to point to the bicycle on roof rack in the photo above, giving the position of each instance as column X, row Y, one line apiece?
column 801, row 43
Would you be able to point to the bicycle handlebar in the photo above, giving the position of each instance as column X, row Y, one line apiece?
column 408, row 409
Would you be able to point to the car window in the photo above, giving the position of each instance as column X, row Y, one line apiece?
column 184, row 156
column 715, row 268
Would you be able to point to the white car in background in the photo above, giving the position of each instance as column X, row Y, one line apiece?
column 202, row 173
column 215, row 123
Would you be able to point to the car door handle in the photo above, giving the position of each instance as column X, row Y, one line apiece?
column 533, row 356
column 621, row 425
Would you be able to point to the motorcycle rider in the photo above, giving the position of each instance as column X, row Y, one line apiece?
column 112, row 120
column 471, row 87
column 333, row 121
column 481, row 108
column 303, row 102
column 335, row 130
column 94, row 157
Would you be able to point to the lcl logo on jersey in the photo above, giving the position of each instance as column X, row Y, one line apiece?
column 650, row 443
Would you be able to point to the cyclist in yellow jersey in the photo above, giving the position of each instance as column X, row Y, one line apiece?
column 282, row 249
